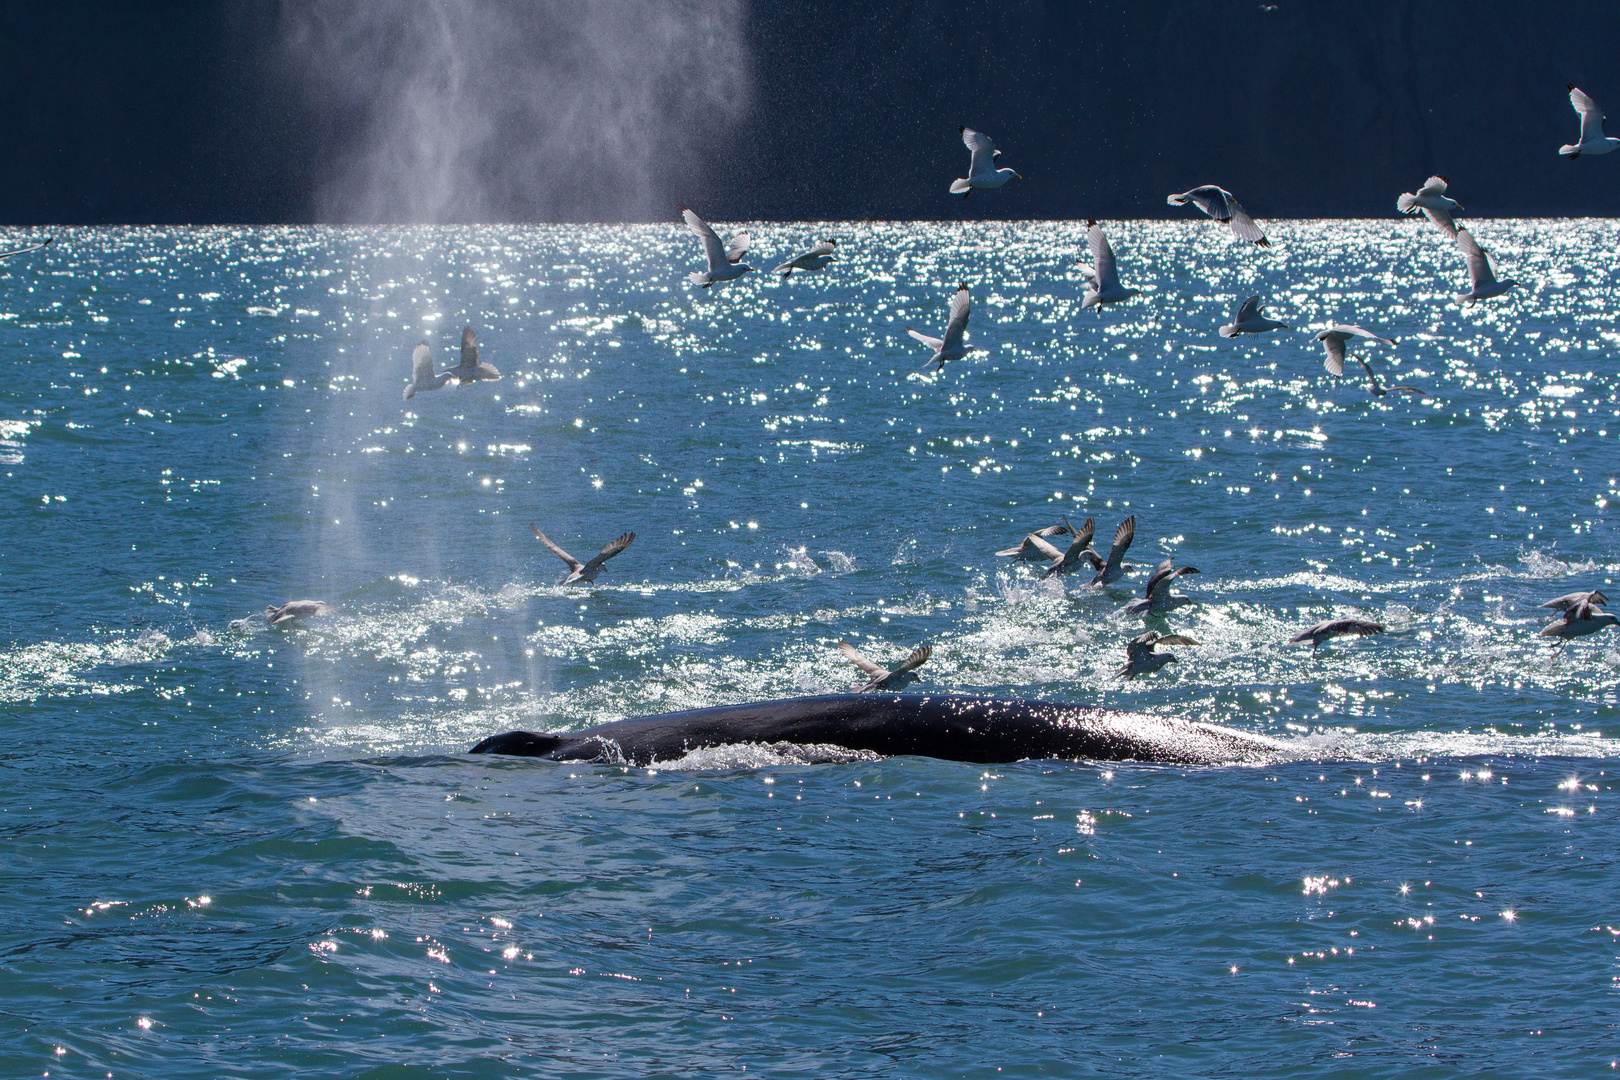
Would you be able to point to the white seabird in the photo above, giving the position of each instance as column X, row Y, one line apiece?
column 584, row 571
column 1157, row 599
column 1431, row 199
column 25, row 250
column 815, row 258
column 1220, row 204
column 725, row 264
column 1249, row 321
column 882, row 678
column 1028, row 551
column 1376, row 388
column 1102, row 277
column 296, row 611
column 951, row 346
column 1482, row 282
column 1140, row 659
column 1579, row 620
column 422, row 377
column 1114, row 567
column 1333, row 341
column 1332, row 628
column 1593, row 140
column 1079, row 550
column 470, row 370
column 982, row 171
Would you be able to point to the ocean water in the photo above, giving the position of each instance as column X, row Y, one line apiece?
column 239, row 852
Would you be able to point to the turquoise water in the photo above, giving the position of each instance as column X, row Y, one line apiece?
column 242, row 852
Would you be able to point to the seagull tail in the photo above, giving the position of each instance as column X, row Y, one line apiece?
column 1571, row 151
column 1407, row 204
column 1229, row 331
column 698, row 277
column 960, row 187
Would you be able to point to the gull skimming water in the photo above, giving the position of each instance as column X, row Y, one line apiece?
column 725, row 264
column 1102, row 276
column 1332, row 628
column 1249, row 320
column 584, row 571
column 470, row 370
column 882, row 678
column 1482, row 282
column 1333, row 341
column 816, row 258
column 1140, row 659
column 1114, row 566
column 951, row 346
column 422, row 377
column 1157, row 599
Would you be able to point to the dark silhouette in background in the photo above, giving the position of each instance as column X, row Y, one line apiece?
column 541, row 110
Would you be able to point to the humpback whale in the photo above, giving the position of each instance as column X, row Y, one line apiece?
column 982, row 730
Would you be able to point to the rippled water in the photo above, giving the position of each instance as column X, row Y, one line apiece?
column 236, row 851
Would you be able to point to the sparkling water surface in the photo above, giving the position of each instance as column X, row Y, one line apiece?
column 242, row 852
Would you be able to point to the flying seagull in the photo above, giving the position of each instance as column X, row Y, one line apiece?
column 882, row 678
column 950, row 347
column 1157, row 599
column 296, row 611
column 725, row 264
column 1593, row 140
column 1376, row 388
column 1333, row 341
column 1482, row 282
column 1140, row 659
column 1250, row 321
column 1579, row 620
column 584, row 571
column 1102, row 277
column 1079, row 550
column 25, row 250
column 1114, row 568
column 1333, row 628
column 982, row 171
column 1028, row 551
column 1219, row 204
column 1431, row 199
column 815, row 258
column 422, row 377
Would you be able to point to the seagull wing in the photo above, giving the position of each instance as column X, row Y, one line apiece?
column 1371, row 378
column 1243, row 225
column 469, row 348
column 608, row 552
column 1122, row 540
column 984, row 152
column 739, row 247
column 573, row 563
column 823, row 248
column 1087, row 531
column 1039, row 543
column 917, row 659
column 1249, row 309
column 1208, row 198
column 26, row 250
column 859, row 659
column 1176, row 639
column 1434, row 185
column 1106, row 270
column 1334, row 345
column 957, row 325
column 1591, row 115
column 1442, row 220
column 932, row 342
column 1350, row 328
column 712, row 249
column 1479, row 267
column 422, row 364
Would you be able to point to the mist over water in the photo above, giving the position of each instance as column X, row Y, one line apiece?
column 477, row 110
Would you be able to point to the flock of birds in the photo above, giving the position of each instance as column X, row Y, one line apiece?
column 1581, row 611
